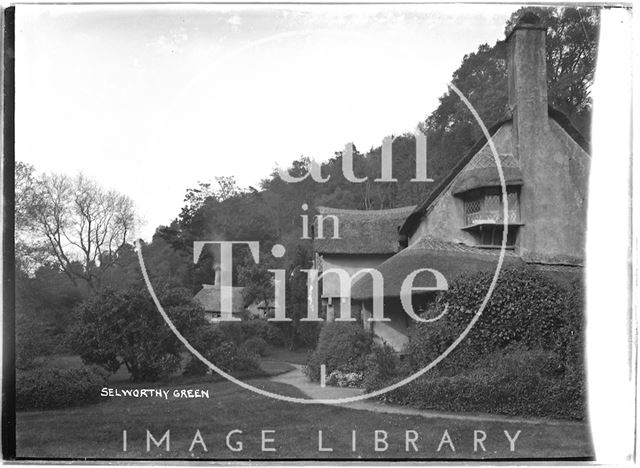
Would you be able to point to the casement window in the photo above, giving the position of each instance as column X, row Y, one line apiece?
column 484, row 213
column 484, row 206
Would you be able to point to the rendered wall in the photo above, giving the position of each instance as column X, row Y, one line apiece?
column 447, row 214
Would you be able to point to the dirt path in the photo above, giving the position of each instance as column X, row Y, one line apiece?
column 297, row 378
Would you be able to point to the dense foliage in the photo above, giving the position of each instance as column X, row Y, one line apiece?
column 342, row 346
column 512, row 381
column 116, row 328
column 117, row 322
column 382, row 365
column 525, row 307
column 46, row 388
column 524, row 356
column 572, row 44
column 256, row 346
column 224, row 350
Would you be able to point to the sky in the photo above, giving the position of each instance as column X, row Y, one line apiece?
column 152, row 99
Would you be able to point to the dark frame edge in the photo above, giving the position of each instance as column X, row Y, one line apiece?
column 8, row 236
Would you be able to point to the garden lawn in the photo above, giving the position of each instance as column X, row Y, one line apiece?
column 95, row 431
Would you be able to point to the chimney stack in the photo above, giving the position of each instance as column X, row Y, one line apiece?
column 527, row 81
column 540, row 203
column 216, row 269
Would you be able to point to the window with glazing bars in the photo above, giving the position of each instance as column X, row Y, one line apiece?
column 485, row 207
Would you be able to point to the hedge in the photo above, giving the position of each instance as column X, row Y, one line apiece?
column 524, row 356
column 526, row 307
column 513, row 382
column 49, row 388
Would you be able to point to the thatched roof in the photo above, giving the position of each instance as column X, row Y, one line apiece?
column 362, row 231
column 448, row 258
column 209, row 298
column 486, row 177
column 414, row 218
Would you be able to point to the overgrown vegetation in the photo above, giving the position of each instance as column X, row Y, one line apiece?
column 341, row 347
column 124, row 328
column 46, row 388
column 118, row 324
column 224, row 346
column 524, row 356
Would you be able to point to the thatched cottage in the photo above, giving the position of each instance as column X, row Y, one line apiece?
column 459, row 227
column 209, row 298
column 364, row 239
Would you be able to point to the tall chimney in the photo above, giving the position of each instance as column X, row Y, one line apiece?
column 216, row 269
column 527, row 81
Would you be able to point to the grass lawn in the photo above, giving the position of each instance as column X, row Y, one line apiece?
column 95, row 431
column 274, row 367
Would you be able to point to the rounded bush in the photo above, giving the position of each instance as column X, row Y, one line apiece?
column 342, row 347
column 49, row 388
column 256, row 346
column 123, row 328
column 220, row 351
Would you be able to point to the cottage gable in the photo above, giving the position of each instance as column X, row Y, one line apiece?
column 545, row 165
column 460, row 226
column 209, row 298
column 444, row 218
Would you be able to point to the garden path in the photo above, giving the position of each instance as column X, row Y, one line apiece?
column 298, row 379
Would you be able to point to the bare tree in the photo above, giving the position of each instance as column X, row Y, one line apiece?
column 81, row 225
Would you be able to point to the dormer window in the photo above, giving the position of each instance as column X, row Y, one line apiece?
column 483, row 215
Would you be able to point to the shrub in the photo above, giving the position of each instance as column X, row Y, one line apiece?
column 515, row 381
column 239, row 332
column 256, row 346
column 306, row 334
column 116, row 328
column 524, row 356
column 220, row 351
column 381, row 367
column 48, row 388
column 194, row 366
column 28, row 342
column 342, row 347
column 229, row 357
column 525, row 307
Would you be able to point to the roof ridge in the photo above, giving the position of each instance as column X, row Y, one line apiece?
column 399, row 210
